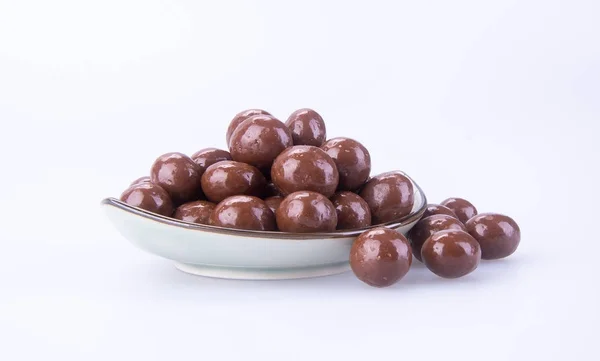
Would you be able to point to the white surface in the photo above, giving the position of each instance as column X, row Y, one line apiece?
column 495, row 101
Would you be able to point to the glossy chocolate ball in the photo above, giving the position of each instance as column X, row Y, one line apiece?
column 178, row 175
column 271, row 190
column 389, row 195
column 463, row 209
column 498, row 235
column 140, row 180
column 195, row 212
column 243, row 212
column 433, row 209
column 273, row 203
column 380, row 257
column 229, row 178
column 305, row 168
column 426, row 227
column 258, row 140
column 307, row 127
column 352, row 159
column 240, row 117
column 352, row 211
column 305, row 212
column 451, row 253
column 209, row 156
column 150, row 197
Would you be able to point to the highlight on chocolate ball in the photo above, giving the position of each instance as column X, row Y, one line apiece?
column 287, row 199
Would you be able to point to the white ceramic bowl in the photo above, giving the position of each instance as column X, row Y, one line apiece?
column 241, row 254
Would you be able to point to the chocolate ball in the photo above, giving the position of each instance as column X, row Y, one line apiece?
column 305, row 168
column 433, row 209
column 389, row 195
column 150, row 197
column 305, row 212
column 195, row 212
column 451, row 253
column 426, row 227
column 273, row 202
column 271, row 190
column 352, row 159
column 307, row 127
column 229, row 178
column 144, row 179
column 258, row 140
column 497, row 234
column 243, row 212
column 209, row 156
column 463, row 209
column 178, row 175
column 352, row 211
column 240, row 117
column 380, row 257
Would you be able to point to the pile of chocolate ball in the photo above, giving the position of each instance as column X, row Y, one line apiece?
column 289, row 177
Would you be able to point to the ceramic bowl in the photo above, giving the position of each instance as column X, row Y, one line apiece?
column 242, row 254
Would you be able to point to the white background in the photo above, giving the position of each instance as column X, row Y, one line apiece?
column 494, row 101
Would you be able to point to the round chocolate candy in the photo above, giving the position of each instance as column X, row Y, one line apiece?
column 352, row 159
column 258, row 140
column 498, row 235
column 451, row 253
column 243, row 212
column 240, row 117
column 352, row 211
column 307, row 127
column 380, row 257
column 209, row 156
column 150, row 197
column 433, row 209
column 305, row 212
column 229, row 178
column 389, row 195
column 140, row 180
column 195, row 212
column 305, row 168
column 426, row 227
column 273, row 202
column 271, row 190
column 178, row 175
column 463, row 209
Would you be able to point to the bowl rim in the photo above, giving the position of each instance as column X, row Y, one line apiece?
column 407, row 219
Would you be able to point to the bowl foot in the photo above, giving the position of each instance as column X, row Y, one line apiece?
column 251, row 273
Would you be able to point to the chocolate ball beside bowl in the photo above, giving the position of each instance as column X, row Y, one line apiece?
column 390, row 196
column 305, row 168
column 451, row 253
column 463, row 209
column 230, row 178
column 177, row 174
column 258, row 140
column 427, row 227
column 243, row 212
column 352, row 211
column 206, row 157
column 240, row 117
column 307, row 127
column 352, row 159
column 195, row 212
column 306, row 212
column 433, row 209
column 498, row 235
column 380, row 257
column 150, row 197
column 140, row 180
